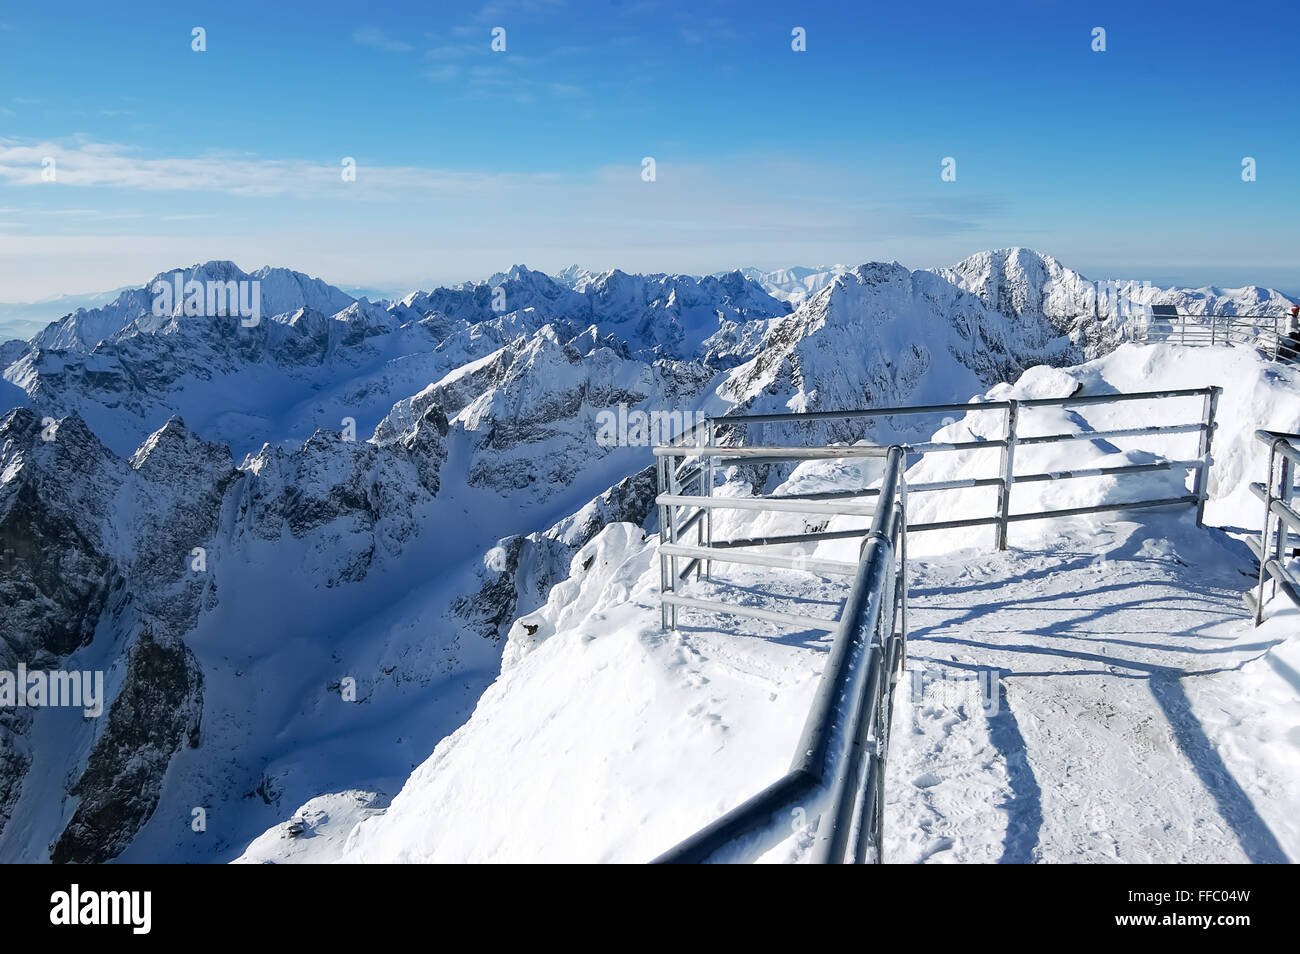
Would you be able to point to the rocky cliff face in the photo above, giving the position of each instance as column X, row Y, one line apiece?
column 98, row 548
column 520, row 570
column 881, row 335
column 157, row 710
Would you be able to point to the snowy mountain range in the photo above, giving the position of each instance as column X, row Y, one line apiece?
column 297, row 548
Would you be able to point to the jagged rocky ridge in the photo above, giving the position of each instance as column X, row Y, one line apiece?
column 413, row 476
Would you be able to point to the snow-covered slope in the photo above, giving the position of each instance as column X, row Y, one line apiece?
column 24, row 319
column 882, row 335
column 796, row 283
column 606, row 739
column 244, row 525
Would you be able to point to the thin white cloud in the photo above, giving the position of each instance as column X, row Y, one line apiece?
column 377, row 39
column 442, row 74
column 113, row 166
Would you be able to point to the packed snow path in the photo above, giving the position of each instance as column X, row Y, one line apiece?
column 1113, row 659
column 1140, row 716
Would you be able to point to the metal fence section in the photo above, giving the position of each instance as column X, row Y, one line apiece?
column 835, row 784
column 838, row 770
column 1273, row 335
column 1275, row 547
column 686, row 471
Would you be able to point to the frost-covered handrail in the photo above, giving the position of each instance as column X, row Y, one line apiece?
column 686, row 469
column 1280, row 519
column 835, row 783
column 1012, row 411
column 900, row 410
column 781, row 453
column 1272, row 334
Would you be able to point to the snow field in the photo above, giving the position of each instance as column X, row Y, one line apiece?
column 1138, row 715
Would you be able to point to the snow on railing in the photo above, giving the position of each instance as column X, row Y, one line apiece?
column 839, row 767
column 837, row 776
column 1276, row 336
column 1275, row 548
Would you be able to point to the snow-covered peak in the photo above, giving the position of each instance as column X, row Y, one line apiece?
column 881, row 334
column 575, row 276
column 793, row 284
column 280, row 291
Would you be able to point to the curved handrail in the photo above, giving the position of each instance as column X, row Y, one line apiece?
column 826, row 778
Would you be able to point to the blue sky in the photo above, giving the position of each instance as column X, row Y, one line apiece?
column 1120, row 163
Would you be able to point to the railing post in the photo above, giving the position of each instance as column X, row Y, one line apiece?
column 665, row 583
column 1264, row 533
column 902, row 562
column 708, row 492
column 673, row 488
column 1008, row 469
column 1203, row 452
column 1283, row 528
column 1277, row 339
column 1182, row 329
column 1213, row 324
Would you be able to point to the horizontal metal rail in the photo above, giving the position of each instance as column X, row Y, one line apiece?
column 1278, row 509
column 860, row 413
column 778, row 539
column 782, row 453
column 810, row 564
column 1281, row 443
column 932, row 446
column 1103, row 508
column 1117, row 398
column 969, row 408
column 757, row 612
column 767, row 504
column 1105, row 471
column 1285, row 583
column 1116, row 432
column 954, row 524
column 960, row 484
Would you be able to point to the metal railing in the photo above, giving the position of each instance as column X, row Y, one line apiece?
column 874, row 614
column 686, row 502
column 836, row 780
column 1274, row 549
column 1270, row 334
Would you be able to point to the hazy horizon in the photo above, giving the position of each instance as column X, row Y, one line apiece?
column 1284, row 280
column 468, row 159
